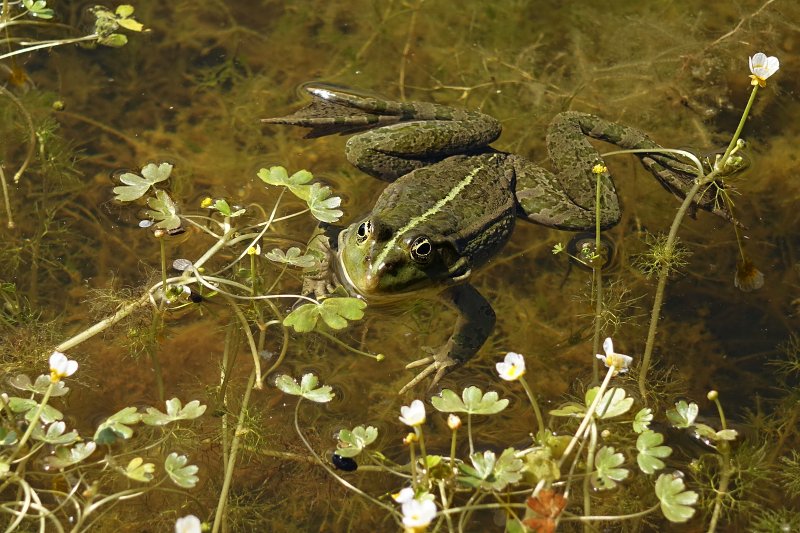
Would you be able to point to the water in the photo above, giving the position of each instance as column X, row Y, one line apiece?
column 192, row 91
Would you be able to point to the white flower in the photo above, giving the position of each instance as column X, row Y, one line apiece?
column 413, row 415
column 512, row 368
column 417, row 514
column 762, row 67
column 405, row 495
column 61, row 367
column 619, row 361
column 188, row 524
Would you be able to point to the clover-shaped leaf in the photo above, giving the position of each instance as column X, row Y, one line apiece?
column 322, row 204
column 38, row 9
column 335, row 312
column 117, row 425
column 64, row 457
column 490, row 472
column 179, row 472
column 613, row 403
column 124, row 17
column 138, row 470
column 224, row 208
column 136, row 186
column 651, row 452
column 710, row 434
column 293, row 256
column 683, row 415
column 40, row 386
column 297, row 183
column 163, row 210
column 352, row 443
column 472, row 401
column 572, row 410
column 55, row 434
column 607, row 473
column 642, row 419
column 675, row 501
column 7, row 438
column 175, row 411
column 28, row 406
column 307, row 388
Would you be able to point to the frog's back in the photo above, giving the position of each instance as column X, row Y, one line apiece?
column 466, row 200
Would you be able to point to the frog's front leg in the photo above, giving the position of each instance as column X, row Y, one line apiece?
column 475, row 323
column 320, row 280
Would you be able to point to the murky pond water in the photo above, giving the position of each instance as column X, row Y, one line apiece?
column 191, row 90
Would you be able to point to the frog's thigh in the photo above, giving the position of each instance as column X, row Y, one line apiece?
column 392, row 151
column 573, row 158
column 543, row 200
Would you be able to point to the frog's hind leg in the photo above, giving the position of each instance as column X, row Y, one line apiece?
column 395, row 150
column 542, row 199
column 574, row 157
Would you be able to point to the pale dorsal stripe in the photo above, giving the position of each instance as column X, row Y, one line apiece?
column 414, row 222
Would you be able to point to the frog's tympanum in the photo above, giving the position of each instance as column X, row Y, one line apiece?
column 452, row 200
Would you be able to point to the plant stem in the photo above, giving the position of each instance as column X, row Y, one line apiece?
column 590, row 412
column 33, row 423
column 229, row 467
column 535, row 404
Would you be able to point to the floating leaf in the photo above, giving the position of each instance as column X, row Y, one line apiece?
column 683, row 415
column 136, row 186
column 490, row 472
column 224, row 208
column 164, row 210
column 472, row 401
column 7, row 438
column 323, row 205
column 642, row 419
column 710, row 434
column 38, row 9
column 307, row 388
column 116, row 426
column 651, row 452
column 293, row 257
column 675, row 501
column 138, row 470
column 175, row 411
column 613, row 403
column 607, row 473
column 65, row 457
column 181, row 474
column 572, row 410
column 335, row 312
column 30, row 407
column 55, row 434
column 40, row 386
column 297, row 183
column 352, row 443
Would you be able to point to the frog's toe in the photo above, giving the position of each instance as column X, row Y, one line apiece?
column 435, row 363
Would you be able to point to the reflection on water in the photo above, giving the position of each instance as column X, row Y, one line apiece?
column 192, row 92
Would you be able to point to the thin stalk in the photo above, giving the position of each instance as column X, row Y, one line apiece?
column 229, row 468
column 587, row 479
column 597, row 274
column 535, row 404
column 33, row 423
column 6, row 199
column 587, row 418
column 31, row 132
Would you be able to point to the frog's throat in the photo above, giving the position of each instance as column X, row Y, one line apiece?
column 435, row 208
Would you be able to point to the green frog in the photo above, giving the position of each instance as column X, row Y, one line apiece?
column 452, row 200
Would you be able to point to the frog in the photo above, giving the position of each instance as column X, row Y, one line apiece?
column 452, row 200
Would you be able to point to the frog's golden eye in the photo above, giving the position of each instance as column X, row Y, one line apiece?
column 363, row 232
column 421, row 250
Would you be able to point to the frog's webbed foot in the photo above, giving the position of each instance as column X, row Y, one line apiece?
column 439, row 362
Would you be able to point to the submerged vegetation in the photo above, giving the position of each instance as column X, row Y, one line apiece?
column 177, row 284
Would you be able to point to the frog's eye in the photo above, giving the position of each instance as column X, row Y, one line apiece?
column 421, row 250
column 363, row 232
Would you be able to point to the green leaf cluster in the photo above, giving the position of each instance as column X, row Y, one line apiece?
column 293, row 256
column 490, row 472
column 352, row 443
column 335, row 312
column 136, row 186
column 472, row 401
column 676, row 501
column 319, row 197
column 307, row 388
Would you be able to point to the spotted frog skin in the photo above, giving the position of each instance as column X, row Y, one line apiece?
column 452, row 200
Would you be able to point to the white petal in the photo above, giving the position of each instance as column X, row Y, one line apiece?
column 772, row 65
column 57, row 360
column 608, row 346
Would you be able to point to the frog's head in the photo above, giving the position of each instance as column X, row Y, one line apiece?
column 376, row 259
